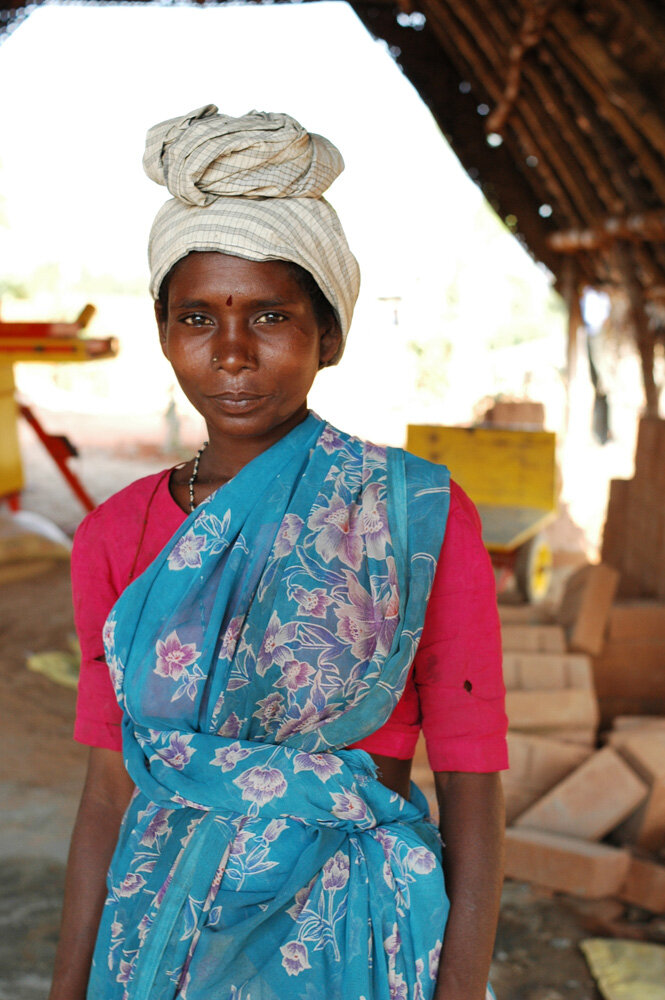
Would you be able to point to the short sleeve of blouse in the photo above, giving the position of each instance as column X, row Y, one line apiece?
column 98, row 715
column 113, row 544
column 457, row 670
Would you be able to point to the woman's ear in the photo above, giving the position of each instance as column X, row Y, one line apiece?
column 161, row 324
column 331, row 338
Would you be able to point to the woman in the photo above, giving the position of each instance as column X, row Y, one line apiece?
column 271, row 596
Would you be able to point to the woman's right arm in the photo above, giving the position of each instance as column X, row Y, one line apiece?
column 106, row 794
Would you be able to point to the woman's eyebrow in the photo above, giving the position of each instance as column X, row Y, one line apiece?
column 270, row 303
column 191, row 304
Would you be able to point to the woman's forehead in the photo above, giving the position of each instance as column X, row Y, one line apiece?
column 216, row 273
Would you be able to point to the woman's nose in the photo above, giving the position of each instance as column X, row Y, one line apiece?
column 233, row 348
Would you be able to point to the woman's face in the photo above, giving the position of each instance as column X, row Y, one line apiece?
column 244, row 343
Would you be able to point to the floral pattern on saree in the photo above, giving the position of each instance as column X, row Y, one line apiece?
column 259, row 858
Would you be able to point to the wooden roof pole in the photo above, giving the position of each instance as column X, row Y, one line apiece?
column 592, row 182
column 464, row 34
column 585, row 137
column 496, row 33
column 584, row 179
column 644, row 22
column 595, row 130
column 464, row 54
column 592, row 128
column 619, row 87
column 577, row 63
column 640, row 227
column 570, row 294
column 499, row 169
column 639, row 320
column 530, row 34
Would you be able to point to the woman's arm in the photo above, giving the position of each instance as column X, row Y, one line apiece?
column 105, row 796
column 471, row 823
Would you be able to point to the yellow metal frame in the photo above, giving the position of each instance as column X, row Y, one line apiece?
column 54, row 349
column 11, row 469
column 47, row 342
column 509, row 474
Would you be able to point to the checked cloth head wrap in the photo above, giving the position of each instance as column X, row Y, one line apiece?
column 251, row 187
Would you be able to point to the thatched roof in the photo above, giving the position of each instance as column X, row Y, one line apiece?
column 556, row 108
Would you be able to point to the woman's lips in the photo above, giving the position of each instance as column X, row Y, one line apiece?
column 237, row 402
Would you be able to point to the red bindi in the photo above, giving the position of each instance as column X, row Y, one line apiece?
column 229, row 301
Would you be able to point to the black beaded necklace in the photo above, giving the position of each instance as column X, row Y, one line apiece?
column 193, row 477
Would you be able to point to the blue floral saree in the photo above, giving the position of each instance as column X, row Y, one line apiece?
column 259, row 859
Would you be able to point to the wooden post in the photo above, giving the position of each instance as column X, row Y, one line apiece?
column 639, row 320
column 571, row 297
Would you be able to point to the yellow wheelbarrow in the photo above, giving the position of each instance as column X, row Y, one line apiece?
column 511, row 477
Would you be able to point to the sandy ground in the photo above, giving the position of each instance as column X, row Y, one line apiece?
column 536, row 955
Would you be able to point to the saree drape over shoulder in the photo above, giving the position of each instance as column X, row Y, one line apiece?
column 259, row 859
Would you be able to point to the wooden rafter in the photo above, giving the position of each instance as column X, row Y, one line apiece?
column 576, row 89
column 530, row 34
column 641, row 16
column 542, row 102
column 575, row 59
column 540, row 96
column 466, row 33
column 502, row 173
column 639, row 227
column 620, row 88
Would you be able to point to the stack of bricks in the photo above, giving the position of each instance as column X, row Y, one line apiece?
column 581, row 820
column 629, row 671
column 524, row 414
column 584, row 821
column 634, row 536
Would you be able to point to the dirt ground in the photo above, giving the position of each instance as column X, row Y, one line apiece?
column 536, row 956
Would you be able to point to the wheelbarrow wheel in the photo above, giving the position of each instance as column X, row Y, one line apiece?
column 533, row 569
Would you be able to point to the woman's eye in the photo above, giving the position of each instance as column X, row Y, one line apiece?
column 268, row 318
column 196, row 319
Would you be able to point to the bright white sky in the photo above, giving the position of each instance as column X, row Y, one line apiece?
column 80, row 86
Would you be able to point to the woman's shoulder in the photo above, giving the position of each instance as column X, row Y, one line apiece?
column 422, row 470
column 462, row 507
column 125, row 507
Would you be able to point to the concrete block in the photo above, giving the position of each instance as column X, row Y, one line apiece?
column 583, row 737
column 644, row 885
column 631, row 723
column 628, row 726
column 533, row 638
column 578, row 867
column 524, row 614
column 610, row 707
column 631, row 669
column 526, row 414
column 564, row 709
column 536, row 765
column 637, row 620
column 590, row 801
column 585, row 606
column 630, row 678
column 645, row 753
column 546, row 671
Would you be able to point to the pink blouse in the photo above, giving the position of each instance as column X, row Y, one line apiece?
column 455, row 690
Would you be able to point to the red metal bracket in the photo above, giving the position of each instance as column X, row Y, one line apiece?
column 61, row 450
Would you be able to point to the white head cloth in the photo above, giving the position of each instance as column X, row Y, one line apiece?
column 250, row 187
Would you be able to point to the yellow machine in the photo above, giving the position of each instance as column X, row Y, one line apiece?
column 511, row 477
column 40, row 342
